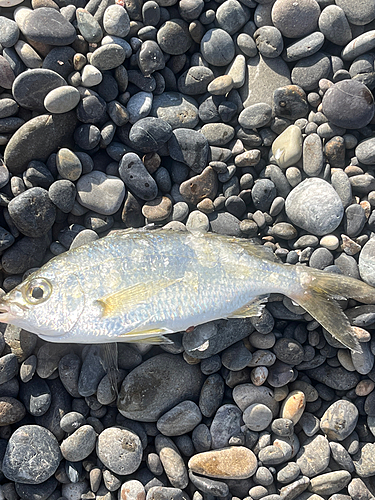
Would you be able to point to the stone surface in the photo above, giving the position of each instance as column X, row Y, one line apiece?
column 141, row 398
column 119, row 449
column 306, row 206
column 235, row 462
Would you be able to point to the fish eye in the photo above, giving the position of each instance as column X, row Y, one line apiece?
column 38, row 291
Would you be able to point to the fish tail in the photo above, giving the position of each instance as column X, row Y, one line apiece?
column 317, row 293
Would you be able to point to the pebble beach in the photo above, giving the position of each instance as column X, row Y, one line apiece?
column 247, row 118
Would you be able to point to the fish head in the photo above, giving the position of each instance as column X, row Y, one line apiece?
column 46, row 303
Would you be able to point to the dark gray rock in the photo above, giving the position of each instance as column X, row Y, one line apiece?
column 173, row 37
column 195, row 80
column 149, row 134
column 180, row 419
column 91, row 109
column 157, row 385
column 36, row 396
column 305, row 47
column 37, row 491
column 46, row 25
column 32, row 212
column 32, row 455
column 334, row 25
column 337, row 378
column 346, row 96
column 150, row 58
column 37, row 139
column 31, row 87
column 180, row 111
column 210, row 43
column 62, row 193
column 92, row 372
column 189, row 147
column 308, row 71
column 136, row 177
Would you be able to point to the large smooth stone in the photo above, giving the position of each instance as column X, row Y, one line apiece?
column 37, row 139
column 157, row 385
column 48, row 26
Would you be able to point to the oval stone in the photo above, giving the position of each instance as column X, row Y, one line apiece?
column 149, row 134
column 287, row 147
column 179, row 110
column 234, row 462
column 157, row 385
column 46, row 25
column 62, row 99
column 31, row 87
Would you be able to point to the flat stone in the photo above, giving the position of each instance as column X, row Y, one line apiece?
column 195, row 80
column 189, row 147
column 304, row 47
column 37, row 139
column 176, row 381
column 88, row 26
column 359, row 45
column 264, row 76
column 336, row 378
column 149, row 134
column 245, row 395
column 100, row 192
column 61, row 99
column 7, row 75
column 179, row 110
column 201, row 186
column 334, row 25
column 173, row 37
column 116, row 21
column 180, row 419
column 234, row 462
column 313, row 457
column 330, row 483
column 172, row 461
column 30, row 88
column 339, row 420
column 46, row 25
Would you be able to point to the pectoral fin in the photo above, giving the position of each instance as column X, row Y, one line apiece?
column 253, row 308
column 151, row 336
column 130, row 297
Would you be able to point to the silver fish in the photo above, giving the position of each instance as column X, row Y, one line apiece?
column 139, row 285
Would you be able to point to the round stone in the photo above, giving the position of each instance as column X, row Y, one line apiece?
column 32, row 212
column 91, row 76
column 100, row 192
column 32, row 455
column 365, row 151
column 255, row 116
column 211, row 42
column 295, row 19
column 68, row 164
column 314, row 206
column 120, row 450
column 92, row 109
column 158, row 209
column 157, row 385
column 180, row 419
column 231, row 15
column 62, row 99
column 116, row 21
column 257, row 417
column 139, row 106
column 293, row 406
column 87, row 136
column 180, row 111
column 340, row 100
column 173, row 37
column 195, row 80
column 269, row 41
column 263, row 194
column 108, row 56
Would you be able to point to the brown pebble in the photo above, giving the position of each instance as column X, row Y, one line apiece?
column 335, row 152
column 248, row 158
column 293, row 406
column 364, row 387
column 221, row 85
column 349, row 246
column 361, row 334
column 206, row 206
column 366, row 207
column 352, row 170
column 11, row 411
column 158, row 209
column 200, row 186
column 152, row 162
column 234, row 462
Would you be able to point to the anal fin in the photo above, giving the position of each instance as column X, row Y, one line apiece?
column 253, row 308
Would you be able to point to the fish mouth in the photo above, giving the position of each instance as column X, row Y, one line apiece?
column 9, row 309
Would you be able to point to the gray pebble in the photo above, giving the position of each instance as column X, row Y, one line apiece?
column 213, row 39
column 269, row 41
column 100, row 192
column 341, row 183
column 211, row 394
column 79, row 444
column 119, row 449
column 172, row 461
column 334, row 25
column 136, row 177
column 226, row 423
column 116, row 21
column 313, row 457
column 88, row 26
column 180, row 419
column 307, row 72
column 295, row 20
column 305, row 203
column 231, row 15
column 36, row 396
column 32, row 454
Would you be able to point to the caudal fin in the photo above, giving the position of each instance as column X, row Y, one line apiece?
column 317, row 295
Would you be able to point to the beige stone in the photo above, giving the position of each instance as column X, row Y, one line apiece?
column 234, row 462
column 293, row 406
column 287, row 148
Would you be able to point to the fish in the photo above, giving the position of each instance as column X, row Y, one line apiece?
column 140, row 285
